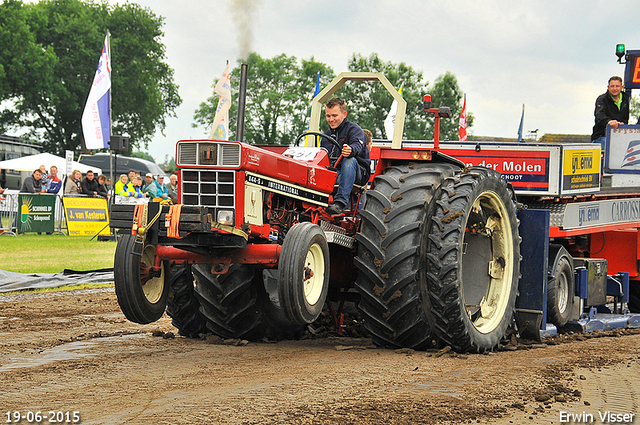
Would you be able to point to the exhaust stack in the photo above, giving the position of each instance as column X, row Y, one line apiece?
column 242, row 101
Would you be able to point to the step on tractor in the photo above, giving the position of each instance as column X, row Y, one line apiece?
column 439, row 249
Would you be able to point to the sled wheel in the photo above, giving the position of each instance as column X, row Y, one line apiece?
column 303, row 273
column 392, row 255
column 141, row 290
column 474, row 260
column 560, row 286
column 182, row 305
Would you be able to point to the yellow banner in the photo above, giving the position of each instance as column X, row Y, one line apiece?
column 581, row 169
column 581, row 161
column 86, row 216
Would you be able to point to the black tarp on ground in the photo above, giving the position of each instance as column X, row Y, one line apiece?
column 11, row 281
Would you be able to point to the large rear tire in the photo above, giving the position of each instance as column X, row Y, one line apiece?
column 141, row 290
column 474, row 260
column 392, row 255
column 560, row 293
column 182, row 305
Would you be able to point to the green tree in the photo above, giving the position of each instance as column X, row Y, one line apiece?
column 142, row 155
column 279, row 93
column 169, row 164
column 25, row 65
column 445, row 91
column 48, row 97
column 634, row 110
column 368, row 102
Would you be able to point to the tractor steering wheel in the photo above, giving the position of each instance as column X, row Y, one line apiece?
column 317, row 134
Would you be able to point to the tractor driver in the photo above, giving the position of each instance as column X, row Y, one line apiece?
column 354, row 166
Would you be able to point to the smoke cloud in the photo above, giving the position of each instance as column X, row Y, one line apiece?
column 243, row 12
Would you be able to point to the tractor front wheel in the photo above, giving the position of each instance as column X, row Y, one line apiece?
column 303, row 273
column 141, row 287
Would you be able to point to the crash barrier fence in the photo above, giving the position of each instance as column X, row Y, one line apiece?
column 10, row 211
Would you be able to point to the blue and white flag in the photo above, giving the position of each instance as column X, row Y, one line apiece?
column 632, row 157
column 96, row 120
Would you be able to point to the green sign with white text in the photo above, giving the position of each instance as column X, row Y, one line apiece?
column 36, row 212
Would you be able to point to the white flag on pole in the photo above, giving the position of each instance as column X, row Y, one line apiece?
column 220, row 128
column 390, row 121
column 96, row 120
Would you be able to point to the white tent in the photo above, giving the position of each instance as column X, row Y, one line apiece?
column 33, row 162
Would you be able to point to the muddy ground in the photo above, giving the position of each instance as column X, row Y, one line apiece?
column 75, row 352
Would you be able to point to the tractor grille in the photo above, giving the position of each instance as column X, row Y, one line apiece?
column 208, row 154
column 209, row 188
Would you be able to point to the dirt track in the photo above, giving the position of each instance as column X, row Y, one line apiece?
column 75, row 351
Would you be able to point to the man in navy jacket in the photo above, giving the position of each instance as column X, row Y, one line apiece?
column 354, row 165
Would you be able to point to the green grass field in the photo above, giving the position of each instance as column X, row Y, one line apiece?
column 54, row 253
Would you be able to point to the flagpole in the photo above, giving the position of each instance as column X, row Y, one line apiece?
column 112, row 160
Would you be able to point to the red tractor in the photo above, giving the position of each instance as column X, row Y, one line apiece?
column 432, row 258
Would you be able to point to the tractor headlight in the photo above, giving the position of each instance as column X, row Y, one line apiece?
column 225, row 217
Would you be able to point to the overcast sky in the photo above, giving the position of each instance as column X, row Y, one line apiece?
column 553, row 56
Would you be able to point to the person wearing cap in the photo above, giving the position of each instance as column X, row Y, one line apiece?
column 161, row 189
column 150, row 189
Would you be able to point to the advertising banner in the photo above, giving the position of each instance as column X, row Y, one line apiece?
column 528, row 168
column 86, row 216
column 36, row 212
column 580, row 169
column 623, row 149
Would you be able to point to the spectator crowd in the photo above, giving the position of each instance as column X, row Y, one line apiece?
column 127, row 186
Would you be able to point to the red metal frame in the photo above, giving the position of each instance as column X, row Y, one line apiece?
column 621, row 249
column 264, row 254
column 556, row 232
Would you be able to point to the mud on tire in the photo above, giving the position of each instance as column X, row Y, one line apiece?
column 141, row 300
column 236, row 305
column 392, row 254
column 474, row 260
column 182, row 305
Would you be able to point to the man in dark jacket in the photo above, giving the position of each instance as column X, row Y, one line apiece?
column 612, row 108
column 32, row 184
column 354, row 165
column 89, row 185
